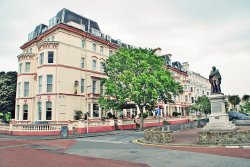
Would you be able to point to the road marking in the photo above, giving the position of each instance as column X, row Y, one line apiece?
column 103, row 141
column 14, row 146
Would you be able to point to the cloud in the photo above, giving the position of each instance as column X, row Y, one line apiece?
column 203, row 33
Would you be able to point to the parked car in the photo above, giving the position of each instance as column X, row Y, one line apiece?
column 234, row 115
column 202, row 122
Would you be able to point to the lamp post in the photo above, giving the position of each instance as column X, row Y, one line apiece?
column 87, row 95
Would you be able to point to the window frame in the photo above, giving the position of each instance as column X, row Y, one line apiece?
column 83, row 43
column 101, row 49
column 19, row 89
column 26, row 86
column 27, row 69
column 49, row 58
column 94, row 62
column 48, row 110
column 41, row 58
column 94, row 47
column 40, row 83
column 25, row 112
column 20, row 68
column 82, row 62
column 49, row 85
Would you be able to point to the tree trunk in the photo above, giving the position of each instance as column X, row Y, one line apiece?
column 142, row 119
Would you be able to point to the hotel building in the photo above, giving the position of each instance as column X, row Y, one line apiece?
column 60, row 69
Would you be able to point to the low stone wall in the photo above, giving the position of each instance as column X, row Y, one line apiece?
column 224, row 137
column 156, row 135
column 242, row 122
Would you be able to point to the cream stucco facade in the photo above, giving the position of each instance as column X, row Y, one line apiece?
column 60, row 71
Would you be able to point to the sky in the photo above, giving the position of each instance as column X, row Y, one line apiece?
column 204, row 33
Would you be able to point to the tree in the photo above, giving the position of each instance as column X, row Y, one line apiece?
column 245, row 107
column 203, row 105
column 245, row 98
column 7, row 93
column 234, row 100
column 137, row 75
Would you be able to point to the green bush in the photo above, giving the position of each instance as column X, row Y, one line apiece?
column 145, row 115
column 165, row 123
column 78, row 114
column 175, row 114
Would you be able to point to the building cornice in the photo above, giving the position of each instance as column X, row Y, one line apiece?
column 70, row 29
column 176, row 70
column 25, row 56
column 70, row 67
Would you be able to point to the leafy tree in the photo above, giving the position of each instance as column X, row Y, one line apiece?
column 245, row 98
column 137, row 75
column 7, row 93
column 245, row 107
column 234, row 100
column 203, row 105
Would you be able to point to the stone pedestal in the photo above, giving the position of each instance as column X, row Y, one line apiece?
column 218, row 119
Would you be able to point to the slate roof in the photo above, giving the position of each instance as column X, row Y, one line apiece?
column 66, row 16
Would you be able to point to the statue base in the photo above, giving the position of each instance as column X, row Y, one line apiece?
column 218, row 119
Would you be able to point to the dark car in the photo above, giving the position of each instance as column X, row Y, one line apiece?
column 234, row 115
column 202, row 122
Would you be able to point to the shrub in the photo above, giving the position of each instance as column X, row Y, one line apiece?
column 109, row 114
column 165, row 123
column 145, row 115
column 78, row 114
column 175, row 114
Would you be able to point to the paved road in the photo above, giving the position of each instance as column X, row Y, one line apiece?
column 48, row 153
column 120, row 147
column 115, row 149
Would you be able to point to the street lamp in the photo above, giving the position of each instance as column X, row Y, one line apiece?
column 87, row 108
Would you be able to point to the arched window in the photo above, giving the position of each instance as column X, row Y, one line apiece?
column 25, row 111
column 48, row 110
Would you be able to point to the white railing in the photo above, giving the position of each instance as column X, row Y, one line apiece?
column 37, row 127
column 100, row 122
column 125, row 121
column 152, row 120
column 4, row 127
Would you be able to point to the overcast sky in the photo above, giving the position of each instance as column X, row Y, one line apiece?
column 204, row 33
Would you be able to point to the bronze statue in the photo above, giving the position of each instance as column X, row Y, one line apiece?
column 215, row 80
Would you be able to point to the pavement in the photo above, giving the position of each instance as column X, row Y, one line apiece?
column 117, row 149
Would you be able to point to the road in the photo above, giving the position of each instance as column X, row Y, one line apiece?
column 115, row 150
column 120, row 147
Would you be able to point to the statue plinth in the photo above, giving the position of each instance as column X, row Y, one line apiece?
column 218, row 119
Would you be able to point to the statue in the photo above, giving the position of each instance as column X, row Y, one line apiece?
column 215, row 80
